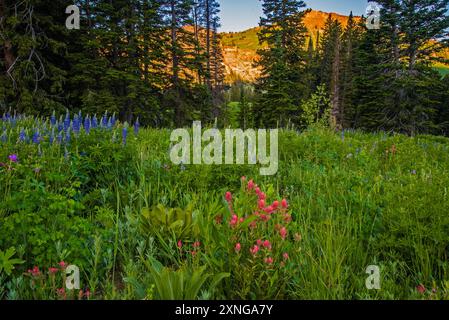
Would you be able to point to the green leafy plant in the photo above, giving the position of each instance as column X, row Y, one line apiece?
column 174, row 221
column 182, row 284
column 7, row 263
column 316, row 110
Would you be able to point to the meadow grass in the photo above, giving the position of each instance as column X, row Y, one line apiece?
column 355, row 200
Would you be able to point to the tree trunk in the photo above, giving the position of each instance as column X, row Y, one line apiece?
column 208, row 27
column 335, row 86
column 197, row 40
column 175, row 60
column 175, row 63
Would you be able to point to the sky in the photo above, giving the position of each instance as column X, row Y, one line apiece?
column 239, row 15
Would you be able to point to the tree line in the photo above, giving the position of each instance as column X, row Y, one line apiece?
column 162, row 61
column 374, row 79
column 159, row 60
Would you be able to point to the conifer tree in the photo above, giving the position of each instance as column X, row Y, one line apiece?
column 209, row 18
column 32, row 55
column 181, row 48
column 217, row 69
column 350, row 42
column 330, row 66
column 398, row 88
column 282, row 85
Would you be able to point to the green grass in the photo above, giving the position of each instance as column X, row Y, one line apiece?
column 444, row 70
column 365, row 199
column 247, row 39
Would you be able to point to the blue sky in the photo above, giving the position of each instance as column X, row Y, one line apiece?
column 238, row 15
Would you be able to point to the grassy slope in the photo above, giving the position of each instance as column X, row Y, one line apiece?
column 444, row 70
column 243, row 40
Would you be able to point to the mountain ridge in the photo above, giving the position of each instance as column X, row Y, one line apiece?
column 239, row 48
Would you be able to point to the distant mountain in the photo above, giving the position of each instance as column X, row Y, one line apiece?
column 239, row 50
column 240, row 47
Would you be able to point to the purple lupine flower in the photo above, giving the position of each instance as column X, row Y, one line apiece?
column 109, row 126
column 124, row 134
column 13, row 120
column 59, row 137
column 136, row 127
column 52, row 136
column 22, row 135
column 113, row 119
column 104, row 120
column 76, row 124
column 67, row 121
column 59, row 125
column 53, row 119
column 13, row 158
column 36, row 137
column 67, row 136
column 87, row 124
column 94, row 122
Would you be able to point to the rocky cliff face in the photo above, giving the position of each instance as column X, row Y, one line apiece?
column 239, row 64
column 240, row 48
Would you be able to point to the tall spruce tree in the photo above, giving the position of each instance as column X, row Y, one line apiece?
column 313, row 71
column 282, row 85
column 197, row 12
column 118, row 59
column 330, row 66
column 209, row 17
column 33, row 60
column 217, row 59
column 350, row 41
column 398, row 90
column 217, row 69
column 210, row 40
column 181, row 48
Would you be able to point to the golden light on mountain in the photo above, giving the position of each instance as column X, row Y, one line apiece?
column 240, row 48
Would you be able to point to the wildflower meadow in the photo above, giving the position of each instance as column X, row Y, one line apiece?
column 101, row 195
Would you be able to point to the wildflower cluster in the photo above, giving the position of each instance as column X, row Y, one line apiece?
column 262, row 243
column 49, row 283
column 62, row 130
column 189, row 249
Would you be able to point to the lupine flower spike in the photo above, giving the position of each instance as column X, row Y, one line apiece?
column 136, row 127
